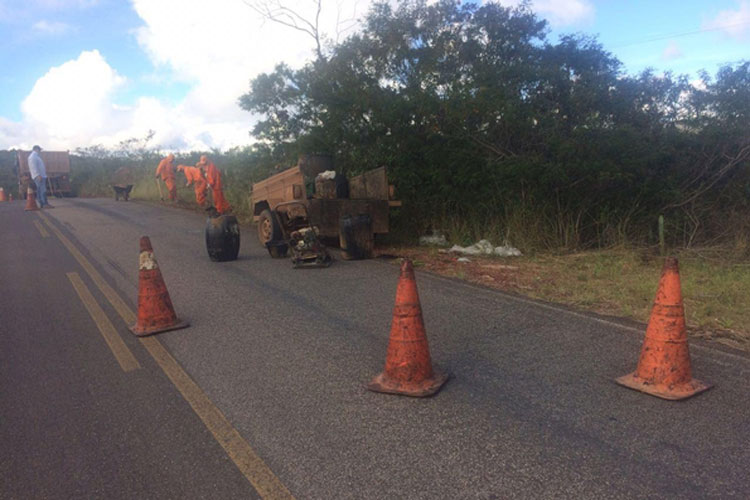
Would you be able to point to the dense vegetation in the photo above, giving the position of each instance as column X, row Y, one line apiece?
column 490, row 129
column 92, row 170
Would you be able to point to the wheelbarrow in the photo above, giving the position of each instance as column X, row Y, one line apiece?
column 300, row 238
column 122, row 190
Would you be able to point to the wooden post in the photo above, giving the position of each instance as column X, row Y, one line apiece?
column 662, row 246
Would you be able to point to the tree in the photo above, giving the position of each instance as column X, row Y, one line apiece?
column 477, row 114
column 280, row 12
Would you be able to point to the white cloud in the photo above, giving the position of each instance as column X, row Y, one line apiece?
column 215, row 49
column 218, row 51
column 671, row 52
column 734, row 23
column 51, row 27
column 229, row 38
column 565, row 12
column 560, row 13
column 698, row 83
column 72, row 101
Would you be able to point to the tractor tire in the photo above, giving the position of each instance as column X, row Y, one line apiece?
column 269, row 228
column 278, row 251
column 270, row 235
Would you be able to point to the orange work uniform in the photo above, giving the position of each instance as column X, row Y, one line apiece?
column 165, row 170
column 194, row 176
column 213, row 176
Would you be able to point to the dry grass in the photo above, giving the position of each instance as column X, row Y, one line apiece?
column 617, row 282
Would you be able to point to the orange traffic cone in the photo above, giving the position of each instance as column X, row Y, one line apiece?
column 30, row 200
column 408, row 368
column 2, row 195
column 664, row 366
column 155, row 311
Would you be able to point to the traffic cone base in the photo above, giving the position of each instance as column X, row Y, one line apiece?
column 146, row 331
column 383, row 383
column 155, row 311
column 671, row 392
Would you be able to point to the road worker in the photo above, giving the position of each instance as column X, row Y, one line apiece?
column 194, row 176
column 166, row 171
column 213, row 177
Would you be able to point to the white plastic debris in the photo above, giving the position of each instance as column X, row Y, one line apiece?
column 484, row 247
column 463, row 259
column 478, row 248
column 328, row 175
column 433, row 240
column 507, row 251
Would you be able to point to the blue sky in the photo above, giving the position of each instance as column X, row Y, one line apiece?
column 65, row 29
column 84, row 72
column 638, row 33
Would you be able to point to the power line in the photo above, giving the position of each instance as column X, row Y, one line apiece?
column 677, row 35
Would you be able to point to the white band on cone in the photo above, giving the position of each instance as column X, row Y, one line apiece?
column 147, row 261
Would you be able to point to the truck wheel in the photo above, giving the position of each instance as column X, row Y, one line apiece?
column 268, row 227
column 278, row 251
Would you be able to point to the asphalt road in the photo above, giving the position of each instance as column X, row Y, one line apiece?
column 531, row 410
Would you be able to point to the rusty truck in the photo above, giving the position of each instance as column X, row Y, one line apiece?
column 57, row 164
column 326, row 200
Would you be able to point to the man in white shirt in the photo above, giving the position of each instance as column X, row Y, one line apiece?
column 38, row 172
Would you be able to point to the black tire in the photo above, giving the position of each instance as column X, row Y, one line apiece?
column 269, row 228
column 278, row 250
column 356, row 238
column 222, row 238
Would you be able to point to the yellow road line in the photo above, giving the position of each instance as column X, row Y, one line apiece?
column 41, row 229
column 242, row 454
column 114, row 341
column 250, row 464
column 122, row 309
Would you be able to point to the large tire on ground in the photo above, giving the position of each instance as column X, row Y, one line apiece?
column 222, row 238
column 356, row 238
